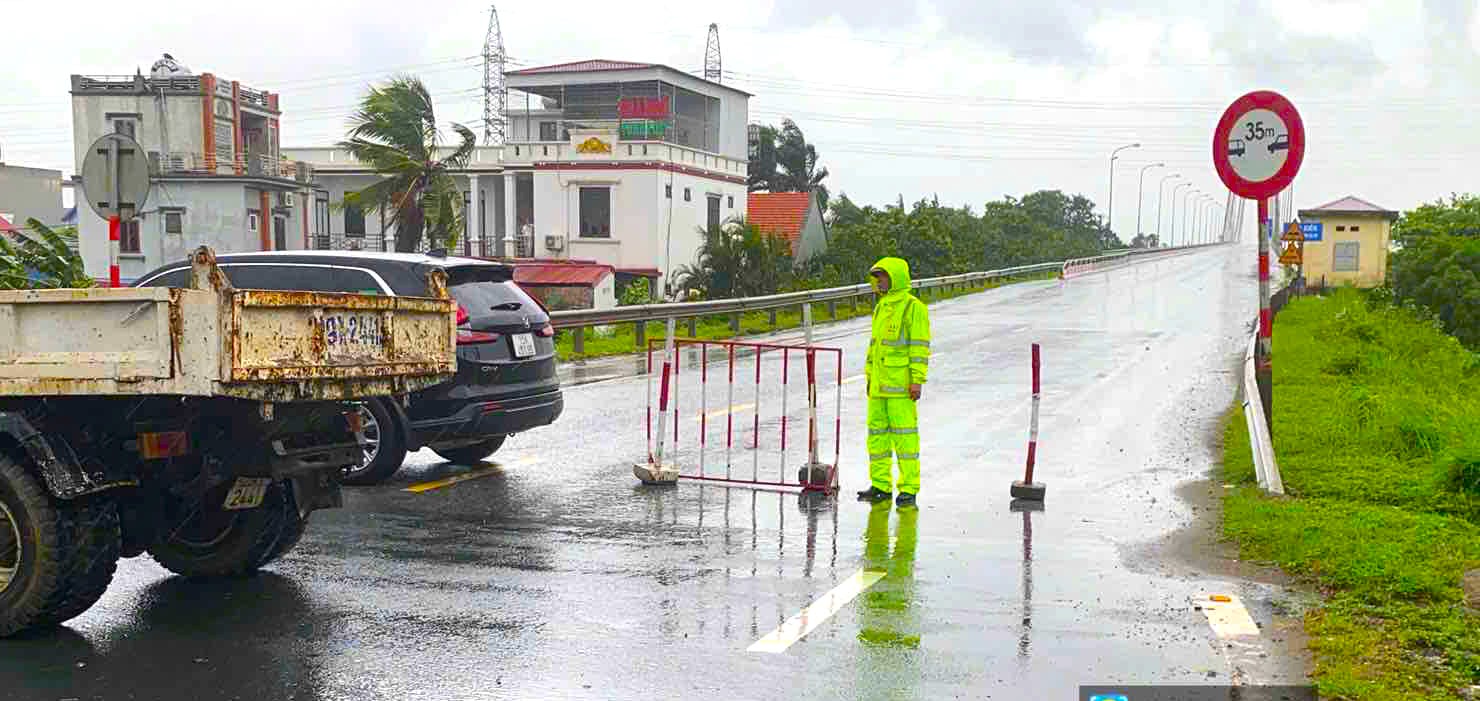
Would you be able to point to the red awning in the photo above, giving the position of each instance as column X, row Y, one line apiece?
column 561, row 274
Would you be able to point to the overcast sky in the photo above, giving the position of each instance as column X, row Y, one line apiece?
column 964, row 99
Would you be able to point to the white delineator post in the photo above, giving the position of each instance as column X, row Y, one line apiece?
column 1026, row 488
column 656, row 471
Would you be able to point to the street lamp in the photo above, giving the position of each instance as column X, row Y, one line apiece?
column 1159, row 240
column 1140, row 192
column 1172, row 220
column 1110, row 201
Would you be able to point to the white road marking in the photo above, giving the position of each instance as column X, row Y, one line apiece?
column 808, row 619
column 1229, row 619
column 851, row 380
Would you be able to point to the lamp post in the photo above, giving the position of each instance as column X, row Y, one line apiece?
column 1141, row 190
column 1172, row 220
column 1159, row 186
column 1110, row 201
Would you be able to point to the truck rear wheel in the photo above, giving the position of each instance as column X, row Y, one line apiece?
column 211, row 541
column 56, row 557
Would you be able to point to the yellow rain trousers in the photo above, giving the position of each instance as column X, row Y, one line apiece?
column 898, row 356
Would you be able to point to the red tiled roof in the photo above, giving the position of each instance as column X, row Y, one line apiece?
column 1350, row 205
column 568, row 274
column 7, row 227
column 644, row 272
column 781, row 213
column 597, row 64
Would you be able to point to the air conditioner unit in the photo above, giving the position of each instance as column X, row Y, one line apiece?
column 555, row 242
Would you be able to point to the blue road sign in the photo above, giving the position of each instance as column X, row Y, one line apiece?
column 1311, row 229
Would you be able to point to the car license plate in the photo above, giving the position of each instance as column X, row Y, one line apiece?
column 523, row 345
column 247, row 493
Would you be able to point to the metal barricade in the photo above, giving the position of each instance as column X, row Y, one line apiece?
column 693, row 460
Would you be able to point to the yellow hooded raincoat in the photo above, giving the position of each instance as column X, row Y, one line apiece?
column 898, row 356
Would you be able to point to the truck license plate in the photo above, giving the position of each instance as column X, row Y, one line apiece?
column 523, row 345
column 351, row 331
column 247, row 493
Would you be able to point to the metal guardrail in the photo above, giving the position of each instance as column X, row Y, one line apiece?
column 640, row 315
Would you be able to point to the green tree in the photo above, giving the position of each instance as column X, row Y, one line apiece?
column 1442, row 273
column 737, row 259
column 1459, row 216
column 784, row 162
column 47, row 259
column 762, row 175
column 636, row 292
column 394, row 131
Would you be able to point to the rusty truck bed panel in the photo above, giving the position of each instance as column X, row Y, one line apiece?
column 253, row 344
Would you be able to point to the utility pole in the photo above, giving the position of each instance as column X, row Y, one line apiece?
column 1110, row 200
column 1160, row 241
column 1141, row 192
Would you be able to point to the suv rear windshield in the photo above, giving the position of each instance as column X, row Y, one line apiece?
column 491, row 299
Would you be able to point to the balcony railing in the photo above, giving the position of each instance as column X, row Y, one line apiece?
column 136, row 83
column 346, row 242
column 258, row 165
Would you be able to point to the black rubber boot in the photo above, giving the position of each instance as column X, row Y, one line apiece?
column 874, row 494
column 905, row 499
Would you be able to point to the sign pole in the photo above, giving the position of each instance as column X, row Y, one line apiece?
column 1263, row 356
column 113, row 227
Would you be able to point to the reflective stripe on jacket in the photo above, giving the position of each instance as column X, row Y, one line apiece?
column 899, row 350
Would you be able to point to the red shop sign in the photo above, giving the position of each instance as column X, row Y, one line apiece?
column 642, row 108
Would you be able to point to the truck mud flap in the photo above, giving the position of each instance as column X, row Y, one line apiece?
column 59, row 467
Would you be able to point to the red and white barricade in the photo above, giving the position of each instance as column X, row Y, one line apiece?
column 700, row 432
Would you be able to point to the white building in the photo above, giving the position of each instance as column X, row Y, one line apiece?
column 614, row 162
column 218, row 177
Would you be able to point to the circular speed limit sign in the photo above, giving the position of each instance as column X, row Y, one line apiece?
column 1258, row 145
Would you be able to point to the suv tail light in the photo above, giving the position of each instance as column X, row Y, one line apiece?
column 465, row 337
column 462, row 315
column 545, row 331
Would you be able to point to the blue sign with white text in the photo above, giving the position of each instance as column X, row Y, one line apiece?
column 1311, row 229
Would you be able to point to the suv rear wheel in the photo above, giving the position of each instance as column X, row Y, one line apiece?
column 469, row 454
column 383, row 448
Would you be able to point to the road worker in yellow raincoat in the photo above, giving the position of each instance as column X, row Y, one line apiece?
column 898, row 358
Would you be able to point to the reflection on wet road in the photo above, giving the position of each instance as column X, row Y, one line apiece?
column 549, row 573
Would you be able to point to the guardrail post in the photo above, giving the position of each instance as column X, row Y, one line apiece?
column 640, row 333
column 693, row 327
column 735, row 322
column 578, row 341
column 772, row 314
column 832, row 310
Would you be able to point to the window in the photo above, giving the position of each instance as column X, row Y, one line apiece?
column 252, row 223
column 668, row 191
column 1341, row 228
column 354, row 219
column 713, row 212
column 179, row 277
column 1354, row 227
column 355, row 281
column 596, row 212
column 126, row 127
column 273, row 277
column 128, row 237
column 1344, row 256
column 731, row 203
column 686, row 196
column 174, row 222
column 548, row 131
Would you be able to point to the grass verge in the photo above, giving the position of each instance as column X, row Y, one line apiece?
column 1377, row 432
column 621, row 338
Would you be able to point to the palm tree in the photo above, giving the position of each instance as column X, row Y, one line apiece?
column 798, row 161
column 395, row 132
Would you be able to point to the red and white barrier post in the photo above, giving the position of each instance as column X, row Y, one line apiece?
column 114, row 224
column 656, row 471
column 1026, row 488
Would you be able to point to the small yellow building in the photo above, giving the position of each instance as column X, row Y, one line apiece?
column 1346, row 242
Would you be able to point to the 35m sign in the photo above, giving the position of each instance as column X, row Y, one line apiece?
column 643, row 108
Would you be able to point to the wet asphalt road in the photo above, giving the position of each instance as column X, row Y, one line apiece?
column 555, row 575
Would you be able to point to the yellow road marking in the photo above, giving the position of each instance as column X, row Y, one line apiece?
column 1228, row 617
column 738, row 408
column 808, row 619
column 475, row 474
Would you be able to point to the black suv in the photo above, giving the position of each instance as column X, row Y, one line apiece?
column 506, row 381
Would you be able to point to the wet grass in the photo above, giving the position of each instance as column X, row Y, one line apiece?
column 620, row 340
column 1377, row 433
